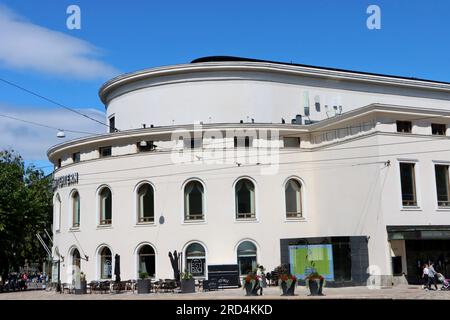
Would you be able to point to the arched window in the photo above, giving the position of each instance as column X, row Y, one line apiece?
column 76, row 260
column 196, row 259
column 145, row 203
column 76, row 266
column 293, row 196
column 246, row 257
column 245, row 199
column 147, row 262
column 193, row 201
column 57, row 212
column 105, row 263
column 105, row 206
column 75, row 209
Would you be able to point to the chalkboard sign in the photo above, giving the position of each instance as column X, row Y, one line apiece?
column 209, row 285
column 224, row 275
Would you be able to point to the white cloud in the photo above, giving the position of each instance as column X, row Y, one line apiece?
column 27, row 46
column 32, row 142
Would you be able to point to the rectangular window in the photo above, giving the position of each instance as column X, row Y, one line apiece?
column 145, row 146
column 408, row 184
column 404, row 126
column 438, row 129
column 105, row 152
column 442, row 185
column 76, row 157
column 191, row 143
column 241, row 142
column 291, row 142
column 112, row 124
column 59, row 163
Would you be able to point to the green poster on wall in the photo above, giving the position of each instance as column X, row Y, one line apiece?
column 305, row 259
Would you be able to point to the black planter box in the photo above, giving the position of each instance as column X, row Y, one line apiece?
column 315, row 287
column 82, row 289
column 188, row 286
column 251, row 289
column 288, row 291
column 143, row 286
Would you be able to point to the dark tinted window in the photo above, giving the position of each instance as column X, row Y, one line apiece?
column 438, row 129
column 404, row 126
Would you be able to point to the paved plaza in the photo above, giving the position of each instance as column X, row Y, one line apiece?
column 397, row 292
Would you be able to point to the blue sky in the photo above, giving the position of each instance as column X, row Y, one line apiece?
column 115, row 37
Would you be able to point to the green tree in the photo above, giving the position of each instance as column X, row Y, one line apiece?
column 25, row 209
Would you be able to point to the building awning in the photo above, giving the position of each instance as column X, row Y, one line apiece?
column 418, row 232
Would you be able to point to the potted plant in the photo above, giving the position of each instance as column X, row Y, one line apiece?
column 81, row 285
column 143, row 283
column 315, row 282
column 251, row 284
column 187, row 282
column 287, row 283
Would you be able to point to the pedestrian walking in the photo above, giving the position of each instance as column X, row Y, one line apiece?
column 425, row 272
column 262, row 279
column 432, row 277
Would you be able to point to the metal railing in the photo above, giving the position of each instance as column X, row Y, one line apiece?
column 293, row 214
column 194, row 217
column 146, row 219
column 245, row 215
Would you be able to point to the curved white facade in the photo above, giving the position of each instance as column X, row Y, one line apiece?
column 346, row 167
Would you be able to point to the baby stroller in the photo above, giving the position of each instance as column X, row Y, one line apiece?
column 445, row 282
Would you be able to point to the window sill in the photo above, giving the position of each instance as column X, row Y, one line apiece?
column 104, row 226
column 412, row 208
column 297, row 219
column 248, row 220
column 74, row 229
column 443, row 209
column 190, row 222
column 145, row 224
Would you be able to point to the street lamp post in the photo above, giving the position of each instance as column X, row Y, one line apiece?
column 58, row 285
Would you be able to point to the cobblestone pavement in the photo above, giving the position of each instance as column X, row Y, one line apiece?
column 397, row 292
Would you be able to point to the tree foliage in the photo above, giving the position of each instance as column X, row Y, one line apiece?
column 25, row 209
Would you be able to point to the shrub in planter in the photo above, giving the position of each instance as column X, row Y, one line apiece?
column 315, row 282
column 143, row 283
column 251, row 284
column 81, row 288
column 187, row 283
column 287, row 283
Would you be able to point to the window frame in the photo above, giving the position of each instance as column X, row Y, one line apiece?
column 297, row 215
column 99, row 261
column 103, row 222
column 74, row 224
column 137, row 204
column 202, row 219
column 205, row 257
column 112, row 128
column 298, row 139
column 406, row 123
column 254, row 217
column 101, row 149
column 417, row 206
column 447, row 164
column 138, row 259
column 444, row 126
column 237, row 253
column 76, row 157
column 57, row 200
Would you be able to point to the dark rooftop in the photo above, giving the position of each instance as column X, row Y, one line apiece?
column 231, row 58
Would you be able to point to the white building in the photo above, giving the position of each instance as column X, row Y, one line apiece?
column 355, row 162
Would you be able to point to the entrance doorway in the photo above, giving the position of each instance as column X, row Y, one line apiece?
column 419, row 252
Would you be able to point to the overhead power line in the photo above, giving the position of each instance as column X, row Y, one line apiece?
column 53, row 101
column 44, row 125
